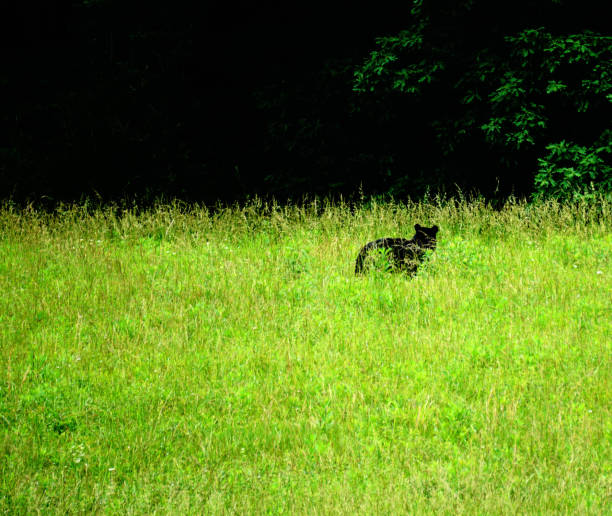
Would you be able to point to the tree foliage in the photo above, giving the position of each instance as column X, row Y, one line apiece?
column 539, row 96
column 222, row 100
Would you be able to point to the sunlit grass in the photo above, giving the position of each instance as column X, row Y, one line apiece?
column 185, row 360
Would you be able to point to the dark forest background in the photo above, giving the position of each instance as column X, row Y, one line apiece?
column 222, row 100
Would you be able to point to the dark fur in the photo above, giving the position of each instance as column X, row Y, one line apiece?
column 405, row 254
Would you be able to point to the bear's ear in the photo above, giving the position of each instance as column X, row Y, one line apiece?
column 417, row 227
column 435, row 228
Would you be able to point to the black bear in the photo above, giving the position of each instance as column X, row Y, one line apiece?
column 405, row 255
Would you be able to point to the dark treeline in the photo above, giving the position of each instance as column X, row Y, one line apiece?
column 222, row 100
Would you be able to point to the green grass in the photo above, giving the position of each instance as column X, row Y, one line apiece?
column 178, row 360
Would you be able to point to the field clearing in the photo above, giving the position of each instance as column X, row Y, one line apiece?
column 183, row 360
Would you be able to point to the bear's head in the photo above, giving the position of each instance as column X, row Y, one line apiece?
column 426, row 237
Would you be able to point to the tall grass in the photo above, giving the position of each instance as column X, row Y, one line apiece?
column 186, row 360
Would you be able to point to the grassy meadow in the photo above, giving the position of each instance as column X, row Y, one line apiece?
column 179, row 360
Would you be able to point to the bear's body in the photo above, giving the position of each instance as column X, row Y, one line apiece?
column 406, row 255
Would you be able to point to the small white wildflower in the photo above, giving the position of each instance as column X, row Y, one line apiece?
column 111, row 469
column 599, row 272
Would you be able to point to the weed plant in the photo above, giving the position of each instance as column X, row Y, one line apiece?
column 186, row 360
